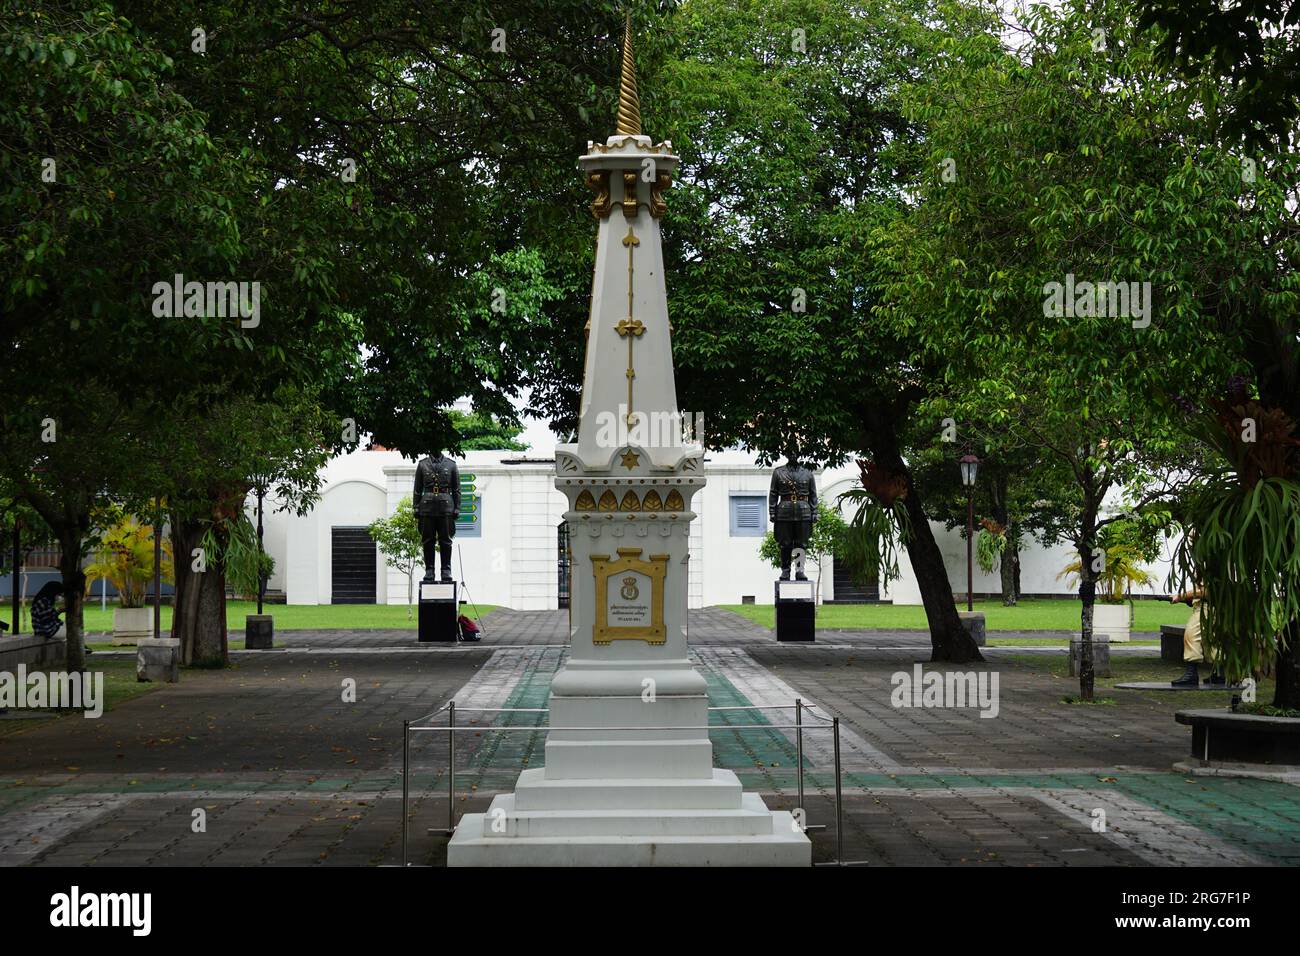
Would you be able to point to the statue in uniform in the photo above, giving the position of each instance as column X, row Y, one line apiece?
column 437, row 506
column 792, row 508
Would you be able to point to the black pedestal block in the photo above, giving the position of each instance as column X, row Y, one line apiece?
column 259, row 632
column 796, row 611
column 439, row 611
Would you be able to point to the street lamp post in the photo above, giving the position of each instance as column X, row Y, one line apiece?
column 969, row 467
column 259, row 628
column 157, row 569
column 261, row 578
column 16, row 576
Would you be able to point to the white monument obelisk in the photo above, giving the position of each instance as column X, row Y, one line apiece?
column 648, row 796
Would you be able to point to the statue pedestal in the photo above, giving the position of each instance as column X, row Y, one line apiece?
column 796, row 611
column 439, row 611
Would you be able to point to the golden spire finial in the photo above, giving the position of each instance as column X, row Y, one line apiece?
column 629, row 106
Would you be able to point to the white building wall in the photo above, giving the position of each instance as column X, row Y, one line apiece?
column 514, row 562
column 353, row 495
column 1040, row 568
column 536, row 510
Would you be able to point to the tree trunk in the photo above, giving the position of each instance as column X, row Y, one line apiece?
column 1087, row 594
column 199, row 607
column 949, row 639
column 210, row 639
column 74, row 588
column 1010, row 567
column 1287, row 690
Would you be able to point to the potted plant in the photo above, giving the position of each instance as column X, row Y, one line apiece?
column 1125, row 545
column 1241, row 550
column 125, row 560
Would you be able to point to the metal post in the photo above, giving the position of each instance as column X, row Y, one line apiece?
column 261, row 579
column 451, row 767
column 406, row 783
column 970, row 547
column 798, row 750
column 157, row 571
column 839, row 800
column 17, row 575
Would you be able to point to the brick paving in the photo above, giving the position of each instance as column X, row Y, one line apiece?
column 286, row 772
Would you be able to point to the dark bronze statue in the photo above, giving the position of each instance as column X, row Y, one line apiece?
column 437, row 506
column 792, row 507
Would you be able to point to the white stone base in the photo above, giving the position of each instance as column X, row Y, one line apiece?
column 628, row 822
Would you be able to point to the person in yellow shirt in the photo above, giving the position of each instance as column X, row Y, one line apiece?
column 1194, row 652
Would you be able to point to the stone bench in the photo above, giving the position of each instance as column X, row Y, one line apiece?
column 32, row 651
column 158, row 659
column 1171, row 643
column 1242, row 738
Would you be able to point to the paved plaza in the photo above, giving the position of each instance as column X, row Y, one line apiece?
column 285, row 771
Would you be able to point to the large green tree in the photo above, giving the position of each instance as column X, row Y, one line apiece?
column 1079, row 157
column 110, row 184
column 384, row 173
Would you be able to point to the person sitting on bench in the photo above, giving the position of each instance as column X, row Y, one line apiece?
column 45, row 617
column 1194, row 652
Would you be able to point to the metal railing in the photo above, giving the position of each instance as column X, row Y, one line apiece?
column 451, row 728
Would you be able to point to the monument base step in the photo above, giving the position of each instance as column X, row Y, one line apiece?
column 704, row 821
column 720, row 791
column 507, row 821
column 629, row 851
column 588, row 759
column 780, row 843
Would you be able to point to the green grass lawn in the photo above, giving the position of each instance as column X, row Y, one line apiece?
column 1029, row 615
column 292, row 616
column 120, row 685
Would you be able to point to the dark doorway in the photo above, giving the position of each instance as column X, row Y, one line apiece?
column 354, row 561
column 565, row 563
column 848, row 592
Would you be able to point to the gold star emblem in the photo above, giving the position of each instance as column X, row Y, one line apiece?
column 630, row 459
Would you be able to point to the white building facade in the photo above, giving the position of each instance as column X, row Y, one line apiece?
column 508, row 546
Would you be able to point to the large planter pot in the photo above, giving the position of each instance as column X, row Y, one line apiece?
column 1113, row 620
column 132, row 624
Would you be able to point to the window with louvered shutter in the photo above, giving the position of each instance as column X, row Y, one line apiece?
column 748, row 516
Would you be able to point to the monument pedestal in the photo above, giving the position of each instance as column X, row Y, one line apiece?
column 629, row 777
column 796, row 611
column 629, row 823
column 439, row 612
column 594, row 805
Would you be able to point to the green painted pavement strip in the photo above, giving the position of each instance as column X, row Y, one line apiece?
column 742, row 748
